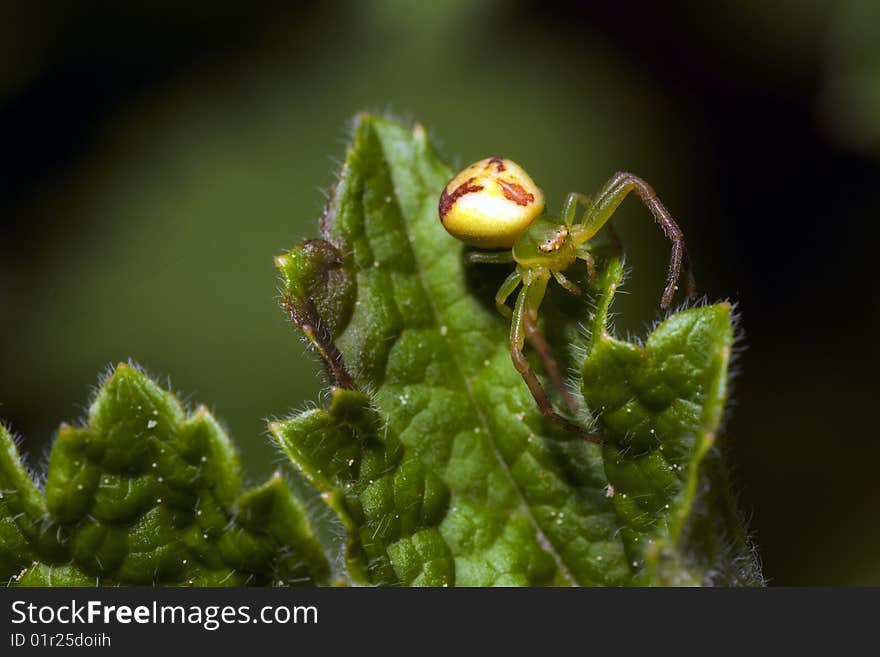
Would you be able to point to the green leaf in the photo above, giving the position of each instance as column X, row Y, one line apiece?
column 659, row 406
column 146, row 494
column 431, row 450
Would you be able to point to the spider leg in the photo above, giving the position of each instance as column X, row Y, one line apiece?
column 545, row 353
column 587, row 250
column 507, row 287
column 569, row 208
column 564, row 282
column 491, row 257
column 525, row 315
column 607, row 201
column 586, row 256
column 535, row 338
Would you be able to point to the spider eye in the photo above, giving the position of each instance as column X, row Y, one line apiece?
column 490, row 203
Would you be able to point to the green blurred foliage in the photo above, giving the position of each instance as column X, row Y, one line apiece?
column 850, row 104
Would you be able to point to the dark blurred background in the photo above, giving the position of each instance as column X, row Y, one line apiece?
column 156, row 155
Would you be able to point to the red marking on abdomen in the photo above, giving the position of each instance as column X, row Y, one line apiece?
column 516, row 193
column 498, row 162
column 448, row 200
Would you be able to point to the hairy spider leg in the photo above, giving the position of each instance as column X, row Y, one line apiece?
column 569, row 208
column 507, row 288
column 569, row 216
column 536, row 339
column 525, row 316
column 491, row 257
column 583, row 253
column 545, row 353
column 605, row 204
column 564, row 282
column 585, row 249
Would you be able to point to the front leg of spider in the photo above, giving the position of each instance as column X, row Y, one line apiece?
column 528, row 323
column 525, row 315
column 599, row 212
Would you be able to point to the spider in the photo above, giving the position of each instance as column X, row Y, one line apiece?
column 493, row 204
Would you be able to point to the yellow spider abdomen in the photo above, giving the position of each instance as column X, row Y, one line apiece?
column 490, row 203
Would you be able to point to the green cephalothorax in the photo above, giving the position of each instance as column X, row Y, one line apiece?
column 493, row 203
column 547, row 242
